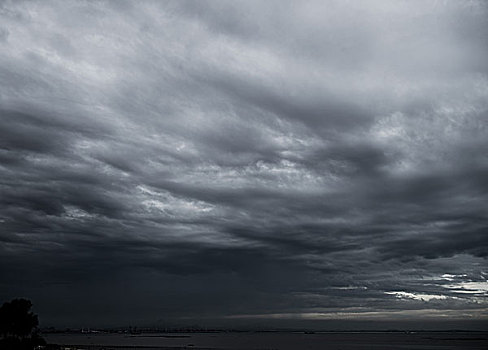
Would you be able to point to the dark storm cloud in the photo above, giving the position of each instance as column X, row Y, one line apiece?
column 241, row 161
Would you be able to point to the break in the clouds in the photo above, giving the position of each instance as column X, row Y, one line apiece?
column 243, row 161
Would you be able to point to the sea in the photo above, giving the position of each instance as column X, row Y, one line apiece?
column 438, row 340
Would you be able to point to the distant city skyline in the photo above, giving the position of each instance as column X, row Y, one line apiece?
column 249, row 163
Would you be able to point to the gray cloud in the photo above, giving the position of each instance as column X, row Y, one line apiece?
column 244, row 161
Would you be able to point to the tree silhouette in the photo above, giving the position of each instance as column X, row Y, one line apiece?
column 18, row 326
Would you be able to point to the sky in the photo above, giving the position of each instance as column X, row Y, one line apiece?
column 243, row 163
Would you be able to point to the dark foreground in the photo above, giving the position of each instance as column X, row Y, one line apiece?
column 274, row 340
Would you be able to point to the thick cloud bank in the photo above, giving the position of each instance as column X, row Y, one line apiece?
column 244, row 161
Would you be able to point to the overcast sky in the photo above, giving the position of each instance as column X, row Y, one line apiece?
column 244, row 162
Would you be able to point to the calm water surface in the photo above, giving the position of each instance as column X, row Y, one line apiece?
column 271, row 340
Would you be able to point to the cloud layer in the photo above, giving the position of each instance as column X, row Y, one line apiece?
column 276, row 160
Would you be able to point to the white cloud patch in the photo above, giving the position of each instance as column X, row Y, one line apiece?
column 417, row 296
column 477, row 288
